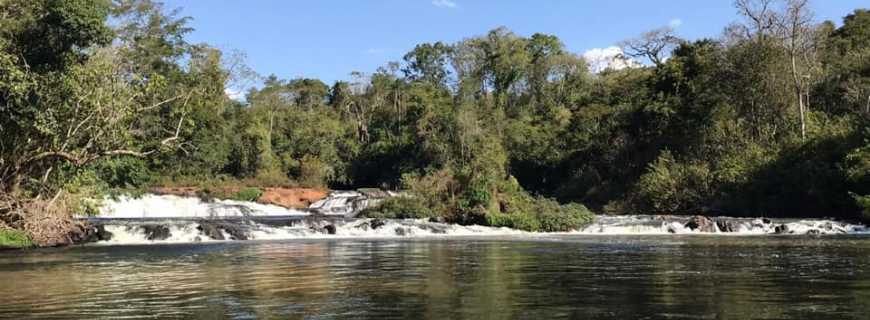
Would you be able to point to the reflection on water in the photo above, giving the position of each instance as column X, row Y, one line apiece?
column 649, row 277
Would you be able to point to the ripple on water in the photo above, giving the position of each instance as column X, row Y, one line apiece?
column 564, row 276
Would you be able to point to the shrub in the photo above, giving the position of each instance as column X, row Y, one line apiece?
column 673, row 187
column 247, row 194
column 863, row 202
column 558, row 218
column 518, row 210
column 11, row 238
column 399, row 208
column 518, row 220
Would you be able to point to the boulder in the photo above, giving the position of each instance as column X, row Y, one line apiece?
column 726, row 225
column 210, row 230
column 780, row 229
column 377, row 223
column 154, row 232
column 438, row 219
column 94, row 233
column 402, row 231
column 329, row 228
column 236, row 232
column 701, row 223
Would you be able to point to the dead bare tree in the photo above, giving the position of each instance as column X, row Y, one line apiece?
column 653, row 45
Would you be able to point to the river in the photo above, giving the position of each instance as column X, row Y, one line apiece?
column 460, row 277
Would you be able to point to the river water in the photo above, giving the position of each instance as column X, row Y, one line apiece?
column 463, row 277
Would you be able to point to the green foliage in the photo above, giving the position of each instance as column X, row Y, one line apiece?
column 10, row 238
column 672, row 187
column 247, row 194
column 402, row 207
column 472, row 130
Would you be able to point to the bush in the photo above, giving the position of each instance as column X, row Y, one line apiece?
column 519, row 220
column 399, row 208
column 673, row 187
column 247, row 194
column 559, row 218
column 863, row 202
column 11, row 238
column 519, row 210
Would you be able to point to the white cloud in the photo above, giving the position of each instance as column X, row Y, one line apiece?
column 600, row 59
column 235, row 94
column 675, row 23
column 444, row 3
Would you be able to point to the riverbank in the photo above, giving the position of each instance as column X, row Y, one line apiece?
column 14, row 239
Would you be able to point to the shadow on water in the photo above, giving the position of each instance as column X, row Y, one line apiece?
column 589, row 277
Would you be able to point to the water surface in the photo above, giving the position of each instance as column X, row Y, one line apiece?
column 505, row 277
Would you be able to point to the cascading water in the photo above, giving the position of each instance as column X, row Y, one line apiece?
column 169, row 206
column 167, row 219
column 651, row 224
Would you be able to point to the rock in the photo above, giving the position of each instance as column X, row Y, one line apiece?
column 402, row 231
column 94, row 233
column 377, row 223
column 701, row 223
column 211, row 231
column 236, row 232
column 155, row 232
column 330, row 229
column 780, row 229
column 814, row 232
column 215, row 230
column 364, row 226
column 726, row 226
column 437, row 219
column 766, row 221
column 758, row 223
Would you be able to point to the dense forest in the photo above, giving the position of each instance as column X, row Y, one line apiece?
column 770, row 118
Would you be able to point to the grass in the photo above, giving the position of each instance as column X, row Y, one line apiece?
column 10, row 238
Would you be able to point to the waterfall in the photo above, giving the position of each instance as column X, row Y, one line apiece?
column 168, row 219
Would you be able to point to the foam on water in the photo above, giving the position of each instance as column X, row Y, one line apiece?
column 131, row 232
column 169, row 206
column 132, row 221
column 650, row 224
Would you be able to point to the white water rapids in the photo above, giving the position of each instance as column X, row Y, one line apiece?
column 172, row 219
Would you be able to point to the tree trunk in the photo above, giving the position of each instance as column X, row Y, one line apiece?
column 799, row 95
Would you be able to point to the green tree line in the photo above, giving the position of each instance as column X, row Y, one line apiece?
column 769, row 119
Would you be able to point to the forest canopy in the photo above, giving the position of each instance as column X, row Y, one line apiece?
column 769, row 119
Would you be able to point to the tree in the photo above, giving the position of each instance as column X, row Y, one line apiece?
column 427, row 63
column 653, row 45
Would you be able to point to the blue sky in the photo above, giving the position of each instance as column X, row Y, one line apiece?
column 327, row 39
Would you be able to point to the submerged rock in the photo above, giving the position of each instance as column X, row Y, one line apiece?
column 402, row 231
column 210, row 230
column 373, row 224
column 156, row 232
column 377, row 223
column 236, row 232
column 701, row 223
column 94, row 233
column 726, row 225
